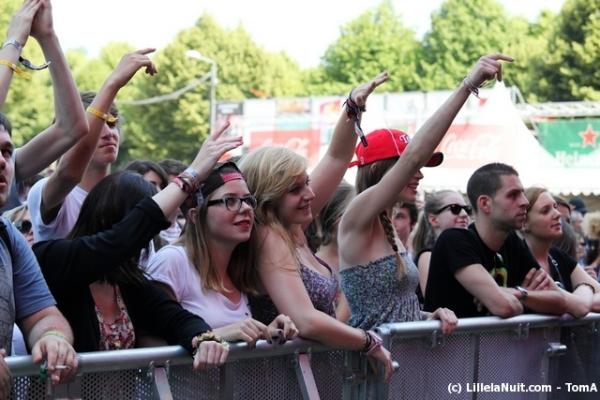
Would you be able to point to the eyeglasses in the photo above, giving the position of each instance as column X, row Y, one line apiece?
column 24, row 226
column 234, row 204
column 455, row 209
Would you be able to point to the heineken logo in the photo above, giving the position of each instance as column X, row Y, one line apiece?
column 589, row 137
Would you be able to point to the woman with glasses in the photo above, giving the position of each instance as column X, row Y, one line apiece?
column 94, row 273
column 541, row 231
column 210, row 269
column 379, row 278
column 442, row 210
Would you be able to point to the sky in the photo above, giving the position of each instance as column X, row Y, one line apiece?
column 304, row 29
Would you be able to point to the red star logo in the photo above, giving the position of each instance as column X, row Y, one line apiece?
column 589, row 136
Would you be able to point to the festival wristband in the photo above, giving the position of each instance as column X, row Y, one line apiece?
column 109, row 118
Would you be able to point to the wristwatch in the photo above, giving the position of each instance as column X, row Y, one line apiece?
column 524, row 293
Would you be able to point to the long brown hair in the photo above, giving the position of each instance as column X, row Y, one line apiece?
column 367, row 176
column 242, row 265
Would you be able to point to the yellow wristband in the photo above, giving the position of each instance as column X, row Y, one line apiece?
column 15, row 69
column 111, row 119
column 54, row 333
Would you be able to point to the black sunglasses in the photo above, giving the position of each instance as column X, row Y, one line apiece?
column 24, row 226
column 234, row 204
column 455, row 209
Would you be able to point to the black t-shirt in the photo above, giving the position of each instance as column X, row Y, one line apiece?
column 458, row 248
column 561, row 267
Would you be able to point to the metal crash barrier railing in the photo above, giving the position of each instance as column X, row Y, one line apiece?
column 526, row 357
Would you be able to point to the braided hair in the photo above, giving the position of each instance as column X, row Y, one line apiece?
column 367, row 176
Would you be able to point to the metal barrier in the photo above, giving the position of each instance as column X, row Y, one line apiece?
column 526, row 357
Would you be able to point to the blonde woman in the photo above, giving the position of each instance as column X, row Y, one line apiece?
column 293, row 280
column 542, row 229
column 379, row 278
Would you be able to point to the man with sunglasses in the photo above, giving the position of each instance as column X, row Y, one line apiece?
column 487, row 269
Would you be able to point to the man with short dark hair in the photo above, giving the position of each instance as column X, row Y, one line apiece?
column 488, row 269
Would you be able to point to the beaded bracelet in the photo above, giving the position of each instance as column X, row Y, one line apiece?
column 372, row 342
column 207, row 337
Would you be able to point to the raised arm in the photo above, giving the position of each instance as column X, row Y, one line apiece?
column 369, row 204
column 70, row 123
column 109, row 248
column 327, row 175
column 73, row 164
column 16, row 37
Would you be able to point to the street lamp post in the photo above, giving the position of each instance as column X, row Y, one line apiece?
column 213, row 84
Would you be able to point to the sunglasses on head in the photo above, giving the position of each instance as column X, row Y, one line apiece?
column 455, row 209
column 24, row 226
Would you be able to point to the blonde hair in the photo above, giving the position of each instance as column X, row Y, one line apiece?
column 367, row 176
column 270, row 173
column 591, row 225
column 16, row 214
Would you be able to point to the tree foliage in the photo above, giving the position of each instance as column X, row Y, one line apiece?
column 375, row 41
column 175, row 128
column 555, row 59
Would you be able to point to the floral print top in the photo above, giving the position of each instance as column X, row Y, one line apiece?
column 119, row 334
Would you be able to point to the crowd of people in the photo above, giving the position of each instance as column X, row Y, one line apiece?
column 215, row 252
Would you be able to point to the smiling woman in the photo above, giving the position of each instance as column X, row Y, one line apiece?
column 211, row 269
column 542, row 229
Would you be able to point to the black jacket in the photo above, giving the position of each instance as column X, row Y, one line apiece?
column 70, row 266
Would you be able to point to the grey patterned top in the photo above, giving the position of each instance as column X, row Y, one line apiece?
column 376, row 296
column 321, row 289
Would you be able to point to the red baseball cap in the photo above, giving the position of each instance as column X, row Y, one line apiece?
column 384, row 144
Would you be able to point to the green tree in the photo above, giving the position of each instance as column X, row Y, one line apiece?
column 572, row 70
column 461, row 32
column 375, row 41
column 176, row 127
column 530, row 50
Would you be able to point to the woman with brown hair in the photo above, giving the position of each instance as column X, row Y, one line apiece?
column 378, row 276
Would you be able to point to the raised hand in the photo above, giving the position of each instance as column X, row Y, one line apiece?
column 20, row 24
column 43, row 25
column 213, row 148
column 487, row 67
column 360, row 93
column 129, row 65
